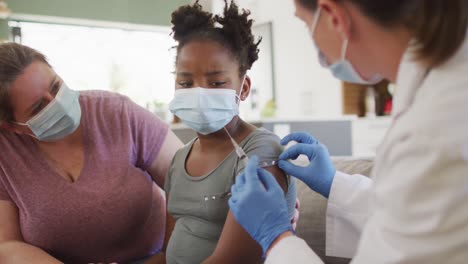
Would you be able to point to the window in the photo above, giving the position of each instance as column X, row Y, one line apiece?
column 135, row 63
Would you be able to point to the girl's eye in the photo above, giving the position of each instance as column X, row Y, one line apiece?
column 218, row 84
column 185, row 84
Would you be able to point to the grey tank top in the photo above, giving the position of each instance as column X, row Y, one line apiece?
column 200, row 204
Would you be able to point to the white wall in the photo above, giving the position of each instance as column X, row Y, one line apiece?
column 303, row 87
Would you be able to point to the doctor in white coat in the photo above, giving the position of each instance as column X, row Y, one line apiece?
column 414, row 208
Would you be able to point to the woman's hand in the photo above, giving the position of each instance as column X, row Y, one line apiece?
column 319, row 174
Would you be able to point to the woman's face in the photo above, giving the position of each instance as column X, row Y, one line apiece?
column 327, row 39
column 32, row 91
column 207, row 64
column 337, row 22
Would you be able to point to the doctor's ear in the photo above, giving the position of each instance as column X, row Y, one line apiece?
column 337, row 15
column 245, row 90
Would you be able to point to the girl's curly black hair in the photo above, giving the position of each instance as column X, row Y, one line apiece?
column 233, row 30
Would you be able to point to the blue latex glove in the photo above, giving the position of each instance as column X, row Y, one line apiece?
column 259, row 205
column 319, row 174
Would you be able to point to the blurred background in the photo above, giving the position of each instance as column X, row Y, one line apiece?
column 125, row 46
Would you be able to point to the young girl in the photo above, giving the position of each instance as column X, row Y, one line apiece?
column 213, row 56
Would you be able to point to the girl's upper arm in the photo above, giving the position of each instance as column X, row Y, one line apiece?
column 280, row 176
column 235, row 244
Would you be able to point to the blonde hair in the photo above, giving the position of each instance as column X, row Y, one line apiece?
column 438, row 26
column 14, row 59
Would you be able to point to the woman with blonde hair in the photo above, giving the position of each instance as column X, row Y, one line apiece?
column 413, row 208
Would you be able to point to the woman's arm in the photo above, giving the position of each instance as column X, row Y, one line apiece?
column 170, row 223
column 235, row 244
column 160, row 165
column 19, row 252
column 12, row 247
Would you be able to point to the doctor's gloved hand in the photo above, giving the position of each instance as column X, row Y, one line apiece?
column 319, row 173
column 259, row 206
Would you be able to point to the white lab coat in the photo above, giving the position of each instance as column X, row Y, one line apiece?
column 415, row 208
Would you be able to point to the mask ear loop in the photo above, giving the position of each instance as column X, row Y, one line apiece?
column 344, row 49
column 23, row 124
column 322, row 59
column 315, row 22
column 239, row 151
column 240, row 90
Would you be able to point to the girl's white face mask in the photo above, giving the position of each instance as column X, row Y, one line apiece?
column 342, row 69
column 205, row 110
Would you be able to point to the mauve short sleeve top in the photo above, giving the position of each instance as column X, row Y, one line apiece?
column 114, row 211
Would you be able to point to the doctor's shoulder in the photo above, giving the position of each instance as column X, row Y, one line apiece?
column 444, row 98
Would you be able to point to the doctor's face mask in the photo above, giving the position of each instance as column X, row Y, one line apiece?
column 342, row 69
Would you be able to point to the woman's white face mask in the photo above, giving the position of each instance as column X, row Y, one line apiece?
column 341, row 69
column 60, row 118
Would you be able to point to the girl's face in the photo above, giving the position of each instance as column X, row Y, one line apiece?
column 207, row 64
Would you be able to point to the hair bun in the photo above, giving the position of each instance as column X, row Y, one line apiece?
column 189, row 19
column 237, row 26
column 232, row 29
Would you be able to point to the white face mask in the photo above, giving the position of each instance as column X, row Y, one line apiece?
column 60, row 118
column 342, row 69
column 205, row 110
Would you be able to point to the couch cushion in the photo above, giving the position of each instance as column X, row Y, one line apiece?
column 311, row 225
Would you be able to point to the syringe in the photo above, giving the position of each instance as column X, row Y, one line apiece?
column 243, row 157
column 239, row 151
